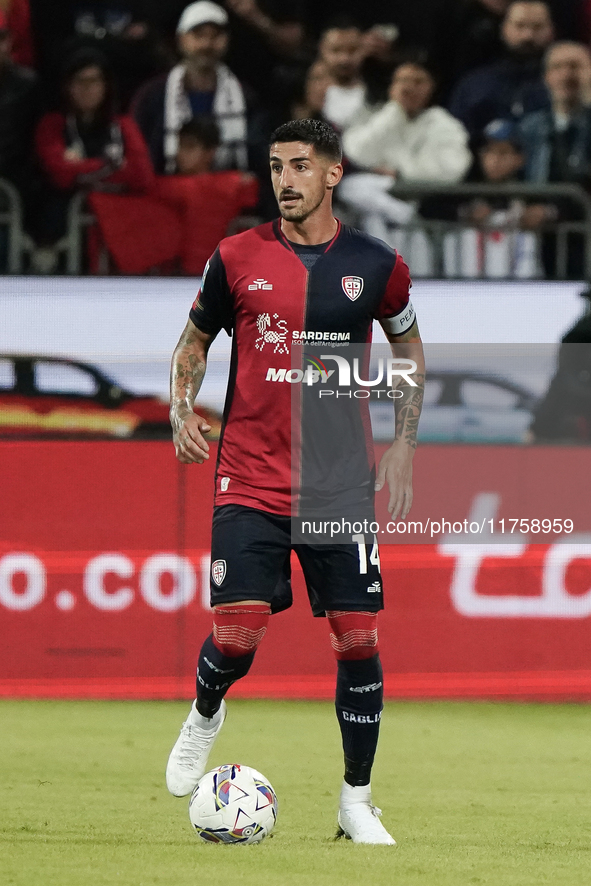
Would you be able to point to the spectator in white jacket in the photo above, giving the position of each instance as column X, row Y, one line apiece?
column 407, row 140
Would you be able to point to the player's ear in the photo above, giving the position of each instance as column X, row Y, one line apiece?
column 334, row 175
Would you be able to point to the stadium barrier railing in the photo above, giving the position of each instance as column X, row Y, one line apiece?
column 444, row 248
column 73, row 245
column 458, row 248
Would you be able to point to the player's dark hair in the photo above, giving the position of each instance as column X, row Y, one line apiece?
column 310, row 132
column 202, row 129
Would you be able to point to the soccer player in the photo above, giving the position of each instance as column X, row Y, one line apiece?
column 280, row 282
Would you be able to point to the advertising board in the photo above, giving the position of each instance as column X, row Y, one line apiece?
column 104, row 541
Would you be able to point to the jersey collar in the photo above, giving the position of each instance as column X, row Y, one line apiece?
column 285, row 242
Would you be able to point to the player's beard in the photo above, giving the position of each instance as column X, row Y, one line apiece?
column 302, row 212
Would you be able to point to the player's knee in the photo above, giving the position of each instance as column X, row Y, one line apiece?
column 353, row 635
column 239, row 629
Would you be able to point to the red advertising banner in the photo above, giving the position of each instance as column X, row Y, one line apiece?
column 104, row 575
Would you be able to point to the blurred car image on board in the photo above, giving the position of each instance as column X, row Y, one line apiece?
column 465, row 407
column 55, row 397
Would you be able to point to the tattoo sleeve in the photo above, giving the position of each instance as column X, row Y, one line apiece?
column 409, row 402
column 408, row 410
column 189, row 363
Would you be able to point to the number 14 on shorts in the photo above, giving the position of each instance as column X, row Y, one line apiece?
column 374, row 557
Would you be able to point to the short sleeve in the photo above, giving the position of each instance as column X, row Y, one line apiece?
column 395, row 311
column 212, row 309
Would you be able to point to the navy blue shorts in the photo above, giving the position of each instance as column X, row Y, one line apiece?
column 250, row 560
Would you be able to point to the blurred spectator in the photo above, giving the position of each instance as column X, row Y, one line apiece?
column 186, row 214
column 405, row 141
column 557, row 145
column 477, row 37
column 282, row 29
column 87, row 145
column 18, row 108
column 558, row 140
column 18, row 16
column 310, row 104
column 268, row 49
column 496, row 246
column 341, row 50
column 206, row 201
column 200, row 84
column 424, row 26
column 512, row 86
column 199, row 139
column 121, row 29
column 380, row 51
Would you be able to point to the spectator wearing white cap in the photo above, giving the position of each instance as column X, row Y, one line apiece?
column 199, row 84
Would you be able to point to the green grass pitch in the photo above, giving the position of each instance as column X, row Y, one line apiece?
column 474, row 793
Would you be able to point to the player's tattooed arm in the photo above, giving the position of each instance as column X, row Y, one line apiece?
column 396, row 465
column 189, row 363
column 409, row 403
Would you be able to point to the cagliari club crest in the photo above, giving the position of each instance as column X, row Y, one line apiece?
column 352, row 287
column 218, row 571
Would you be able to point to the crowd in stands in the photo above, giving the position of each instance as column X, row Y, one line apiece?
column 161, row 114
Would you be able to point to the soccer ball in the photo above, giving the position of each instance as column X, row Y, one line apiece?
column 233, row 804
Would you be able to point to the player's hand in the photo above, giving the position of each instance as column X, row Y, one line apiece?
column 396, row 470
column 187, row 434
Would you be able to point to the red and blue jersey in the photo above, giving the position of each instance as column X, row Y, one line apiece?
column 258, row 289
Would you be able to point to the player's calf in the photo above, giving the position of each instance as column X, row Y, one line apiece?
column 359, row 695
column 359, row 703
column 227, row 654
column 225, row 657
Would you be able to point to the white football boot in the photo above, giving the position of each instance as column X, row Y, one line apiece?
column 359, row 820
column 188, row 758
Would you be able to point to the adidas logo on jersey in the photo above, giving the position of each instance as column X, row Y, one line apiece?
column 374, row 588
column 260, row 284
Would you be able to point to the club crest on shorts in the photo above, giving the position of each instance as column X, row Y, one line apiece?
column 218, row 571
column 352, row 287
